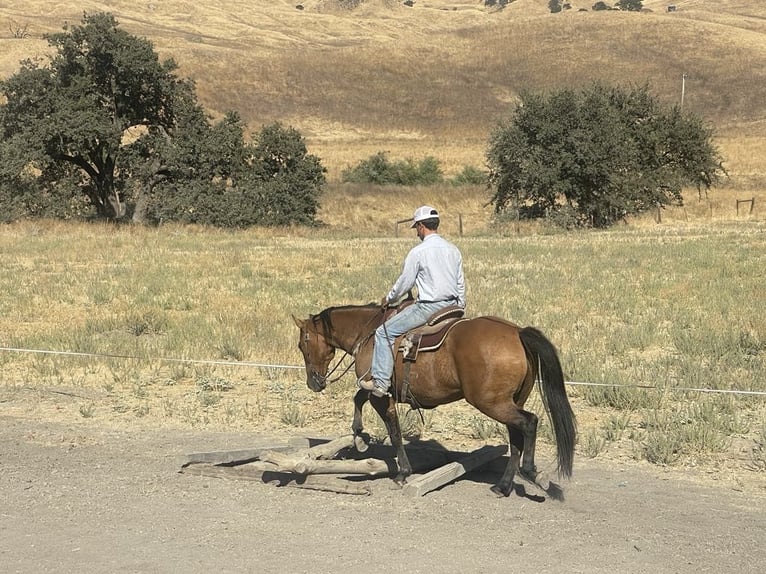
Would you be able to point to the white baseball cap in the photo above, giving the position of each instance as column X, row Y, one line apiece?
column 424, row 212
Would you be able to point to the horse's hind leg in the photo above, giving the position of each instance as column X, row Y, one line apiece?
column 503, row 487
column 357, row 427
column 529, row 437
column 522, row 434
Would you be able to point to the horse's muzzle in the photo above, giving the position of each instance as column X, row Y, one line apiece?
column 316, row 381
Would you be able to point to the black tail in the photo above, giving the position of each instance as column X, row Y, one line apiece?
column 554, row 395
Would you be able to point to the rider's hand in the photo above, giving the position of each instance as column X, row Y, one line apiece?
column 384, row 303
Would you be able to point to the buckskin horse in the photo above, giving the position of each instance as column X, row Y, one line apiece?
column 490, row 362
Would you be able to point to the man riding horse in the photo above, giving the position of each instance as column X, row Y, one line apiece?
column 490, row 362
column 435, row 268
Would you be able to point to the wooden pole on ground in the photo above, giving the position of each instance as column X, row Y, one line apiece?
column 449, row 472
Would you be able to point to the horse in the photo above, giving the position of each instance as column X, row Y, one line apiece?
column 490, row 362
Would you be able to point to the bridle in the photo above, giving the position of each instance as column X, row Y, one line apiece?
column 354, row 350
column 326, row 378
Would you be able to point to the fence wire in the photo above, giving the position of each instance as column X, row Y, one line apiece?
column 252, row 364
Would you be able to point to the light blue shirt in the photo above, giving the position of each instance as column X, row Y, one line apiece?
column 435, row 267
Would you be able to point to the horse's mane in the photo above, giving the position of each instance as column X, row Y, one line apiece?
column 325, row 316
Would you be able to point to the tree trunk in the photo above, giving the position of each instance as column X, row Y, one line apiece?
column 119, row 209
column 158, row 173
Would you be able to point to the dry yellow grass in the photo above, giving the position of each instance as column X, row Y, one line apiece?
column 432, row 79
column 666, row 304
column 370, row 210
column 427, row 80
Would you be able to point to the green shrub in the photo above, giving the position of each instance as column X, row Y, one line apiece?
column 554, row 6
column 280, row 184
column 379, row 170
column 592, row 444
column 470, row 176
column 630, row 5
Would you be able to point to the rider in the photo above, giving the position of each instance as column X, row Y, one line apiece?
column 435, row 267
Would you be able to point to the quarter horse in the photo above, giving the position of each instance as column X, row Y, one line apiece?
column 488, row 361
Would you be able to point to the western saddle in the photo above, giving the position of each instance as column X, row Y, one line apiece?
column 430, row 336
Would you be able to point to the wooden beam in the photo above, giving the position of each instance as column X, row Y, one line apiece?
column 257, row 472
column 232, row 456
column 331, row 448
column 302, row 463
column 439, row 477
column 369, row 466
column 249, row 454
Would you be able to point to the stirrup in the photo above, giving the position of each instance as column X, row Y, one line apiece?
column 374, row 387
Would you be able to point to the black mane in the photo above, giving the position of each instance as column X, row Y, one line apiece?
column 325, row 317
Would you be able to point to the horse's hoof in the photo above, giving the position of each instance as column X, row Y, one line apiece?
column 360, row 444
column 400, row 481
column 543, row 481
column 539, row 479
column 499, row 492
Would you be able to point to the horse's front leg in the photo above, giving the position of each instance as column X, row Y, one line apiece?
column 361, row 439
column 386, row 408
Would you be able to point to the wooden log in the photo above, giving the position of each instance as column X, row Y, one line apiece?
column 449, row 472
column 321, row 451
column 368, row 466
column 252, row 471
column 331, row 448
column 333, row 485
column 257, row 472
column 231, row 456
column 303, row 465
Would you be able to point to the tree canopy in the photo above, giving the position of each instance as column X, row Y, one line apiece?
column 107, row 128
column 68, row 119
column 597, row 155
column 630, row 5
column 225, row 182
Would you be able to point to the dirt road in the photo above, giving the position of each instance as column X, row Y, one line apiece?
column 82, row 499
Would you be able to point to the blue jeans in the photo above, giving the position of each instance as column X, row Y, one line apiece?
column 409, row 318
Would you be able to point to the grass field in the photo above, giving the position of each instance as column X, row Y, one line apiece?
column 664, row 306
column 670, row 300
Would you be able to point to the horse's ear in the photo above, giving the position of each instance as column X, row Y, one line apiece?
column 297, row 321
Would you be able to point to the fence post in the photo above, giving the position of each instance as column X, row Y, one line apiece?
column 750, row 201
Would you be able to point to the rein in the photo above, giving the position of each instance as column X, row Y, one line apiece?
column 335, row 368
column 354, row 349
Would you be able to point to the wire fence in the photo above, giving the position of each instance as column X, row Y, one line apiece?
column 251, row 364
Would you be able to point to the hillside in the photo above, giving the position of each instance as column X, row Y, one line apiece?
column 435, row 77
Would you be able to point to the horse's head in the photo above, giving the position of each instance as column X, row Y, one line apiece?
column 317, row 352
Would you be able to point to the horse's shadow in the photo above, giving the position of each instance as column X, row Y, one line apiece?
column 490, row 473
column 426, row 455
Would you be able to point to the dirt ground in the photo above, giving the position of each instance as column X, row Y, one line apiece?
column 83, row 498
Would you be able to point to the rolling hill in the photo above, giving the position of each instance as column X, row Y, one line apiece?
column 360, row 76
